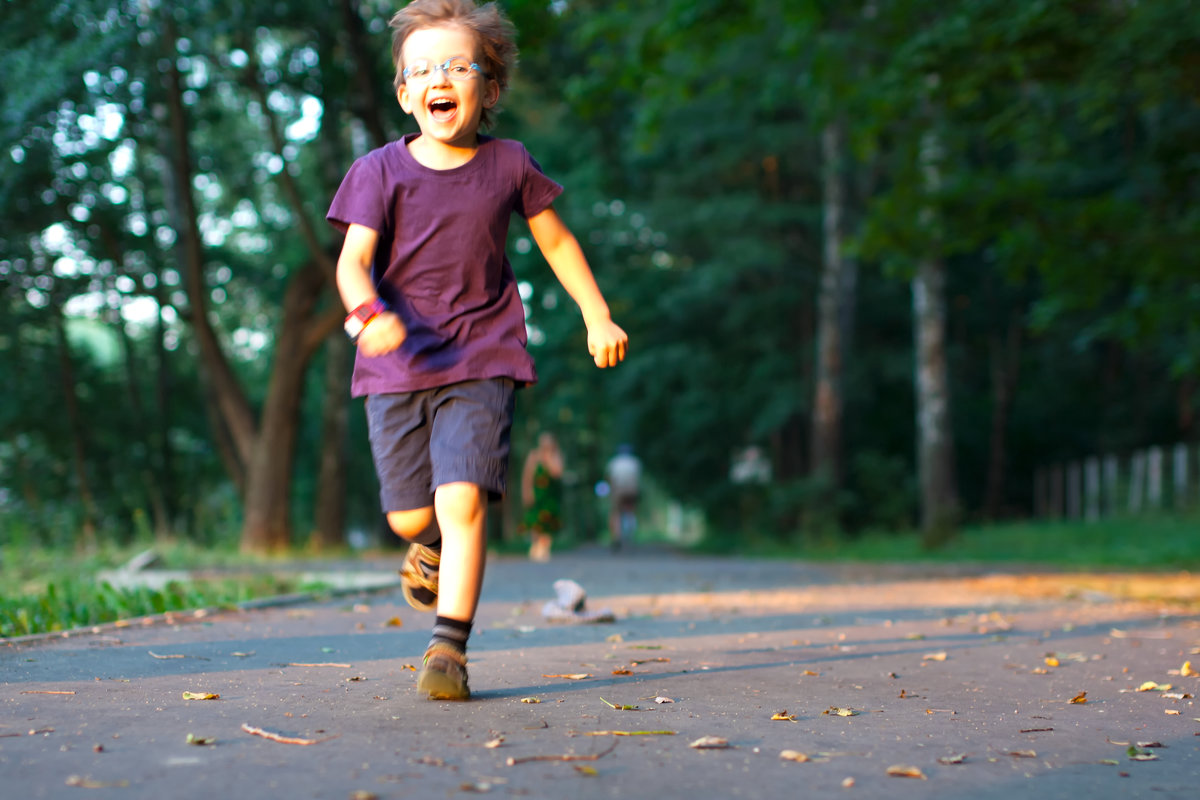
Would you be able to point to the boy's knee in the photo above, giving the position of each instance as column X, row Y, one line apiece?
column 410, row 524
column 460, row 502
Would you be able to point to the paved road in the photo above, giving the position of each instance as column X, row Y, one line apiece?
column 964, row 676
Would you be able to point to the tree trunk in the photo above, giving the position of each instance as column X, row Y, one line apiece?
column 825, row 455
column 1006, row 369
column 266, row 524
column 935, row 442
column 329, row 516
column 75, row 427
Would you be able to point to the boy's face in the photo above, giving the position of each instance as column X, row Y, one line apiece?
column 446, row 110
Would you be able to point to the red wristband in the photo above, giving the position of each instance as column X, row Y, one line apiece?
column 357, row 319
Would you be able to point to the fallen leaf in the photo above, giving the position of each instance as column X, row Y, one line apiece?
column 1151, row 686
column 660, row 700
column 939, row 656
column 574, row 676
column 622, row 671
column 710, row 743
column 915, row 637
column 200, row 741
column 1171, row 711
column 1080, row 698
column 1138, row 754
column 1150, row 744
column 847, row 783
column 811, row 673
column 494, row 743
column 1186, row 671
column 958, row 758
column 659, row 660
column 1023, row 753
column 1051, row 661
column 410, row 667
column 89, row 783
column 618, row 707
column 530, row 700
column 394, row 622
column 585, row 770
column 902, row 771
column 783, row 716
column 835, row 711
column 793, row 755
column 201, row 696
column 363, row 794
column 1111, row 762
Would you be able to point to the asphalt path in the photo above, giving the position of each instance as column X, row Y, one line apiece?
column 875, row 682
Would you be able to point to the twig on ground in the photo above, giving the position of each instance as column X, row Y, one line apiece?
column 43, row 691
column 278, row 737
column 563, row 757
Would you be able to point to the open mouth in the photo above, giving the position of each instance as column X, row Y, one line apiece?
column 442, row 109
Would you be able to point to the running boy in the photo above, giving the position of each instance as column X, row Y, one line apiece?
column 435, row 312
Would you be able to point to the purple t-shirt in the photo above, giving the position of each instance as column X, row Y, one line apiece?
column 441, row 264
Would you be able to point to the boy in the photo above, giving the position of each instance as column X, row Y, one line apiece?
column 435, row 312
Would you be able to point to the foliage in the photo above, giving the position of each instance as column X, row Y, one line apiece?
column 687, row 136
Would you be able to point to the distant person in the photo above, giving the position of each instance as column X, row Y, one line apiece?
column 624, row 476
column 435, row 312
column 541, row 496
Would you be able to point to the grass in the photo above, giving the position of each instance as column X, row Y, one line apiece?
column 44, row 590
column 1149, row 543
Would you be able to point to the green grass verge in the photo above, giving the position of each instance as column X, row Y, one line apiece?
column 46, row 590
column 1155, row 543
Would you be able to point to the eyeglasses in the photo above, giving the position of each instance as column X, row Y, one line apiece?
column 456, row 69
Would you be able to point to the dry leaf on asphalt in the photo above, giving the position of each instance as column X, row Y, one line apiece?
column 89, row 783
column 200, row 741
column 1023, row 753
column 394, row 622
column 836, row 711
column 530, row 700
column 1138, row 754
column 939, row 656
column 902, row 771
column 1186, row 671
column 660, row 700
column 957, row 758
column 1151, row 686
column 1080, row 698
column 201, row 696
column 618, row 707
column 586, row 771
column 1051, row 661
column 494, row 743
column 710, row 743
column 794, row 755
column 783, row 716
column 575, row 676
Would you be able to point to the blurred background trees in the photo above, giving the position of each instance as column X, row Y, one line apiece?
column 899, row 254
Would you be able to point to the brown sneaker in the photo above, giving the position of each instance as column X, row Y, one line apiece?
column 419, row 577
column 444, row 674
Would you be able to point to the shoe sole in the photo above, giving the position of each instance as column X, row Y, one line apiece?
column 439, row 686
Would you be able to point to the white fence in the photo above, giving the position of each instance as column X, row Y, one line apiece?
column 1150, row 480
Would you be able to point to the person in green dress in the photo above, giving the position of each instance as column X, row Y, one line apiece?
column 541, row 495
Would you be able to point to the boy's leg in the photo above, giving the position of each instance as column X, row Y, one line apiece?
column 469, row 446
column 461, row 511
column 422, row 562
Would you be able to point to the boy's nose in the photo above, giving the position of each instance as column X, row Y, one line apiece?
column 441, row 76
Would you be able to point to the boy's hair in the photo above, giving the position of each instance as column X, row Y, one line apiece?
column 494, row 35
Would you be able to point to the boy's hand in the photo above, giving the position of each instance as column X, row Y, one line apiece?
column 607, row 343
column 382, row 335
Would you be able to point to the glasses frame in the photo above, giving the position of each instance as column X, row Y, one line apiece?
column 445, row 68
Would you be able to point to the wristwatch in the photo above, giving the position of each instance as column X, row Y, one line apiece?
column 356, row 320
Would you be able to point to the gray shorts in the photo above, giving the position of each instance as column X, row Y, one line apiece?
column 422, row 440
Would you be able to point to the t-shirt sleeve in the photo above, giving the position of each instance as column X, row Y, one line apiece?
column 359, row 200
column 537, row 191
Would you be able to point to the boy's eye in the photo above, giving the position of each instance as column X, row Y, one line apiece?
column 418, row 69
column 459, row 68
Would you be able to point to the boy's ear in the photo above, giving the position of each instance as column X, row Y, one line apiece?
column 492, row 95
column 403, row 99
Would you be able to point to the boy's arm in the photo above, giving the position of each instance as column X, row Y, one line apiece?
column 385, row 332
column 606, row 341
